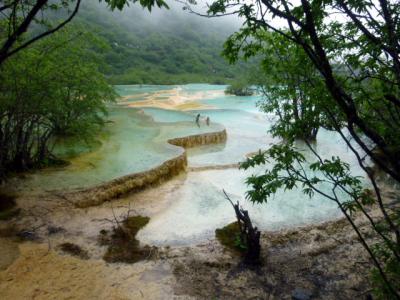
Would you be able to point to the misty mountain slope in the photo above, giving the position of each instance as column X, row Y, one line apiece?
column 161, row 47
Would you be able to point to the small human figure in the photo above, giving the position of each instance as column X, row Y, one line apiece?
column 208, row 121
column 198, row 120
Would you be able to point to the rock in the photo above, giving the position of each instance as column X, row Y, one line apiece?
column 301, row 294
column 173, row 253
column 54, row 229
column 27, row 235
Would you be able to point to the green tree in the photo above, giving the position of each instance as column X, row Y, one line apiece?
column 47, row 91
column 292, row 88
column 354, row 46
column 19, row 16
column 239, row 88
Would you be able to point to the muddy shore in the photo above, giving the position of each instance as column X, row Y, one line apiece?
column 323, row 261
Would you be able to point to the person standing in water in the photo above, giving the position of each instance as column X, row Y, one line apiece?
column 208, row 121
column 198, row 120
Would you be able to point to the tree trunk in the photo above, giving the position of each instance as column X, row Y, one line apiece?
column 249, row 235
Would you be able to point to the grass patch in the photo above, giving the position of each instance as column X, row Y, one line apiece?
column 122, row 243
column 8, row 208
column 229, row 236
column 74, row 250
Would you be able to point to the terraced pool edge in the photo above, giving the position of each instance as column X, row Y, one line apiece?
column 138, row 181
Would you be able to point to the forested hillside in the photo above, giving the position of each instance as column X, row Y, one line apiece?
column 164, row 47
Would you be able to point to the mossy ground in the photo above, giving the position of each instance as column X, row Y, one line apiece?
column 74, row 250
column 8, row 207
column 122, row 243
column 229, row 236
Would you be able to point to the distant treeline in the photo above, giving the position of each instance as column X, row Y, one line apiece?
column 171, row 47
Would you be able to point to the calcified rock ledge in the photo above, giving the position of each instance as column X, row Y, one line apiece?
column 199, row 139
column 129, row 183
column 139, row 181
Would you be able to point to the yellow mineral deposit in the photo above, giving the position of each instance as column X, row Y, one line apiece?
column 42, row 273
column 171, row 99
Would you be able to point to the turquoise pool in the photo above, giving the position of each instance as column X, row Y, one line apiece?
column 136, row 140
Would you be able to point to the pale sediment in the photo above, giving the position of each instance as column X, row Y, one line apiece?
column 139, row 181
column 175, row 99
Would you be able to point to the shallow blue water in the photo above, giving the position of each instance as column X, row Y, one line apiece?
column 200, row 87
column 247, row 132
column 164, row 115
column 133, row 143
column 198, row 205
column 124, row 90
column 247, row 103
column 136, row 141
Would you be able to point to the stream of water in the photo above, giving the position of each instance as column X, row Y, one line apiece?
column 136, row 140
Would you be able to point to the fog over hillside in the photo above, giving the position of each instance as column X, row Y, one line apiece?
column 164, row 20
column 161, row 46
